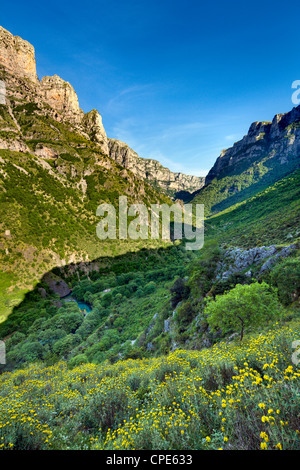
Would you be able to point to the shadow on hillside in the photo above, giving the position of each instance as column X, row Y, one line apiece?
column 64, row 278
column 274, row 174
column 270, row 178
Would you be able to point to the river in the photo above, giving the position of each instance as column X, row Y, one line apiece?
column 82, row 305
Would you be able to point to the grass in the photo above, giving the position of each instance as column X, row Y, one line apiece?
column 10, row 296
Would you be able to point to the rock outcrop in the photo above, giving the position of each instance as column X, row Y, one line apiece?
column 17, row 62
column 261, row 259
column 61, row 96
column 17, row 56
column 92, row 122
column 152, row 170
column 279, row 139
column 56, row 284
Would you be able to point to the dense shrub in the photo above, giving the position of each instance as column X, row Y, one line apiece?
column 285, row 276
column 179, row 291
column 185, row 314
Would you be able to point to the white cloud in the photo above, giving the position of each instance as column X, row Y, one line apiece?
column 233, row 137
column 126, row 97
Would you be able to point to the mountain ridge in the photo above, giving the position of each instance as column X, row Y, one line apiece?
column 262, row 133
column 17, row 58
column 153, row 170
column 267, row 153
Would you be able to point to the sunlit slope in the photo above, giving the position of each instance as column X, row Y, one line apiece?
column 270, row 217
column 231, row 396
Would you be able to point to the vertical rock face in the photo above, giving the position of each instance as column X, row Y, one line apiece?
column 93, row 125
column 61, row 96
column 279, row 139
column 2, row 92
column 17, row 56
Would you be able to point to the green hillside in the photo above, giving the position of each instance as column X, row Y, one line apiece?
column 269, row 217
column 48, row 206
column 243, row 181
column 133, row 296
column 228, row 397
column 142, row 344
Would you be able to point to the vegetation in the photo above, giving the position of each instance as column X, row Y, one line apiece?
column 151, row 366
column 243, row 306
column 270, row 217
column 231, row 396
column 155, row 362
column 242, row 181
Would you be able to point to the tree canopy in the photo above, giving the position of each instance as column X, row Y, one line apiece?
column 243, row 306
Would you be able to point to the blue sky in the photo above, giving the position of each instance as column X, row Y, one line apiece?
column 177, row 81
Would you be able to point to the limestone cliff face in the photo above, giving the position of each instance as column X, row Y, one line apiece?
column 17, row 56
column 53, row 96
column 279, row 139
column 61, row 96
column 92, row 122
column 152, row 170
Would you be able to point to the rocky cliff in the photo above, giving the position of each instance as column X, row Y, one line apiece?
column 17, row 55
column 267, row 153
column 53, row 96
column 152, row 170
column 50, row 96
column 92, row 122
column 61, row 96
column 279, row 140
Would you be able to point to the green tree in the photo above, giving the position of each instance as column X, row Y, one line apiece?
column 150, row 288
column 31, row 352
column 69, row 321
column 243, row 306
column 64, row 345
column 77, row 360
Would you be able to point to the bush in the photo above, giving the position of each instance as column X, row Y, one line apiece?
column 241, row 307
column 64, row 345
column 31, row 352
column 149, row 288
column 185, row 314
column 77, row 360
column 69, row 321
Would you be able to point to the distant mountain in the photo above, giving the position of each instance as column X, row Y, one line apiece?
column 151, row 170
column 269, row 151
